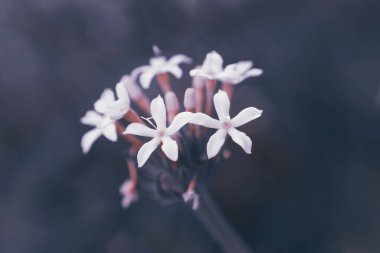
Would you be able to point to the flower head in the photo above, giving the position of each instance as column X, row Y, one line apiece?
column 103, row 126
column 111, row 107
column 128, row 191
column 160, row 134
column 238, row 72
column 158, row 65
column 212, row 66
column 226, row 125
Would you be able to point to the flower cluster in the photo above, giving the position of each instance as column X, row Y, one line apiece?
column 188, row 152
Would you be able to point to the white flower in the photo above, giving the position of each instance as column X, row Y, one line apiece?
column 212, row 66
column 238, row 72
column 160, row 134
column 190, row 195
column 158, row 65
column 226, row 125
column 95, row 119
column 111, row 107
column 128, row 191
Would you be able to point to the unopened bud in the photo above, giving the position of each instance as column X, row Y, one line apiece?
column 189, row 99
column 172, row 105
column 134, row 90
column 171, row 101
column 156, row 50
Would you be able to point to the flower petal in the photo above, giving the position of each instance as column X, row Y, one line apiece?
column 253, row 72
column 105, row 121
column 146, row 77
column 222, row 105
column 140, row 130
column 174, row 70
column 241, row 139
column 102, row 104
column 179, row 121
column 243, row 66
column 146, row 150
column 205, row 120
column 179, row 58
column 200, row 73
column 213, row 63
column 118, row 109
column 110, row 132
column 170, row 148
column 158, row 110
column 137, row 71
column 89, row 138
column 121, row 91
column 91, row 118
column 215, row 143
column 245, row 116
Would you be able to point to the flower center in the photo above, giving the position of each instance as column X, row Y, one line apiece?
column 161, row 133
column 226, row 124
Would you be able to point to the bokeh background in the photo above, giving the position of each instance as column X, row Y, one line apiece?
column 312, row 183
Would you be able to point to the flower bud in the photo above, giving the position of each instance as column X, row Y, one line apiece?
column 189, row 99
column 172, row 105
column 171, row 101
column 134, row 91
column 128, row 192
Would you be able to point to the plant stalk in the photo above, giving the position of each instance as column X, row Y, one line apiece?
column 216, row 224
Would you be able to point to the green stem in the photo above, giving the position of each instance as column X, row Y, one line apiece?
column 215, row 223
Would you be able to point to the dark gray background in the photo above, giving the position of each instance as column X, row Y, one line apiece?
column 312, row 183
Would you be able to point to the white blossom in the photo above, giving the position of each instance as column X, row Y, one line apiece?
column 158, row 65
column 226, row 125
column 103, row 126
column 212, row 66
column 128, row 191
column 161, row 133
column 238, row 72
column 111, row 107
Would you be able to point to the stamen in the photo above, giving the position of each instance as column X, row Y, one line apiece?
column 132, row 116
column 226, row 124
column 149, row 121
column 161, row 133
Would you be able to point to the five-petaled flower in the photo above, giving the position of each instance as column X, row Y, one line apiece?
column 238, row 72
column 159, row 65
column 162, row 133
column 109, row 106
column 103, row 126
column 226, row 125
column 212, row 66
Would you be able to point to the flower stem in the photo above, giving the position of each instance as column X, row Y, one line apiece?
column 215, row 223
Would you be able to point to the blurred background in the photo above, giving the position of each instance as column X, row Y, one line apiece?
column 312, row 183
